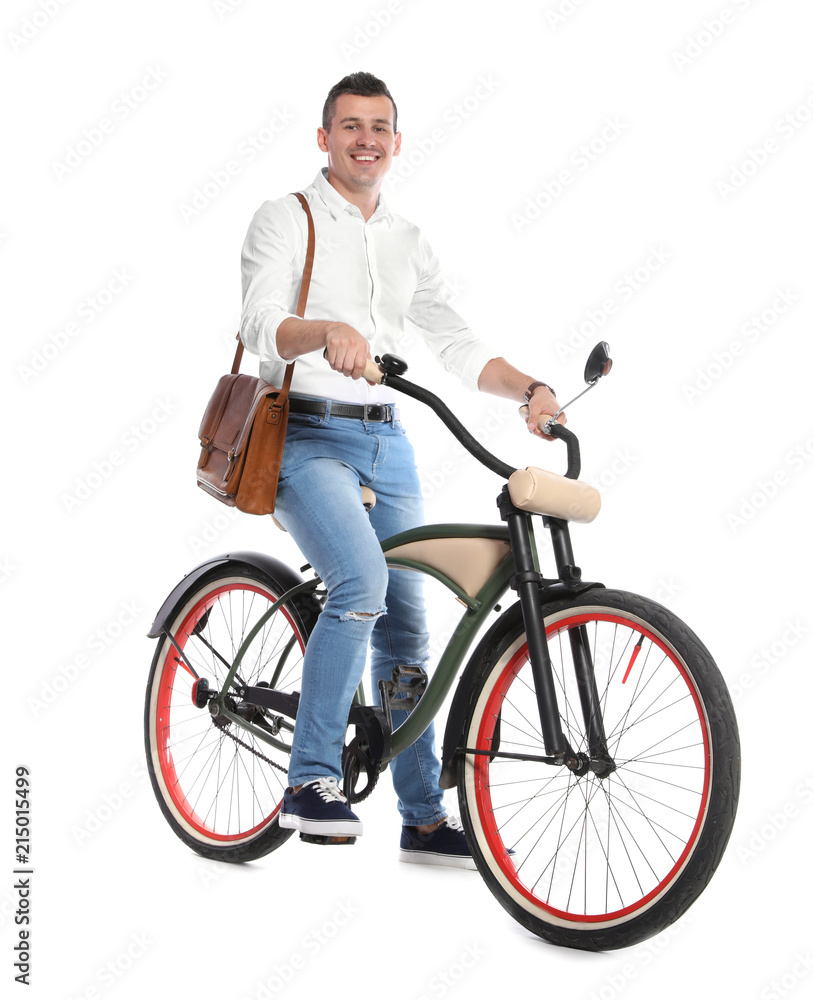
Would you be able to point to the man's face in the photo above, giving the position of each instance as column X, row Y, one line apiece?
column 360, row 143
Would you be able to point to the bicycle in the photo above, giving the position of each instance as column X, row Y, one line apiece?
column 591, row 736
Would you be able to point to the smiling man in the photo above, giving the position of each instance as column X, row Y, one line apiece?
column 375, row 271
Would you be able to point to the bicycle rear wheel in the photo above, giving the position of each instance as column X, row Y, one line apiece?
column 219, row 786
column 601, row 863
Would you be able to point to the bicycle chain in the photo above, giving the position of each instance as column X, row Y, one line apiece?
column 256, row 753
column 356, row 796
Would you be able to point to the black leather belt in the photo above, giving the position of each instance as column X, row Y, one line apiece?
column 377, row 412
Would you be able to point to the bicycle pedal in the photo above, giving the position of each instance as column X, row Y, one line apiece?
column 313, row 838
column 406, row 687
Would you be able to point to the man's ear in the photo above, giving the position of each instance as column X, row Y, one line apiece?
column 397, row 148
column 321, row 139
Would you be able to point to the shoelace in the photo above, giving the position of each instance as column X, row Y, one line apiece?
column 328, row 790
column 454, row 823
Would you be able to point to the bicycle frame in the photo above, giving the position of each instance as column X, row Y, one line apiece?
column 515, row 564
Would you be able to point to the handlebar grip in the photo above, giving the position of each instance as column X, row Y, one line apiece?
column 372, row 372
column 574, row 462
column 543, row 418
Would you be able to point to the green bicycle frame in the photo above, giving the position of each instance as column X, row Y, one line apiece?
column 478, row 607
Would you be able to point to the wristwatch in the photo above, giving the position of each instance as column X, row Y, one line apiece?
column 535, row 385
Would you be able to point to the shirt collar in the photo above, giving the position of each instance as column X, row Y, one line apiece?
column 336, row 204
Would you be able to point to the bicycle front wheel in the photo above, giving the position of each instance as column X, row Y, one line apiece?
column 589, row 862
column 218, row 785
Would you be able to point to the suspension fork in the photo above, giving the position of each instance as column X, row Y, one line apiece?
column 526, row 582
column 580, row 646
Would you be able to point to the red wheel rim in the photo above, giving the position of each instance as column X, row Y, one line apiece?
column 164, row 709
column 497, row 848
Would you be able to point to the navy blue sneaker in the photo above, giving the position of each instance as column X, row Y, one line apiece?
column 320, row 809
column 444, row 846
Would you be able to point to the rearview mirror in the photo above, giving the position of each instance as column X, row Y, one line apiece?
column 598, row 364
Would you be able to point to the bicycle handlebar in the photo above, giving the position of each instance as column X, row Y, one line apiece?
column 374, row 373
column 547, row 424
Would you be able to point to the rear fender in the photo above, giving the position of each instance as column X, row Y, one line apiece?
column 284, row 575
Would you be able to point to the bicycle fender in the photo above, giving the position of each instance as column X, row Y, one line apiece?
column 285, row 576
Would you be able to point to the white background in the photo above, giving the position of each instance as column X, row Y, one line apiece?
column 701, row 440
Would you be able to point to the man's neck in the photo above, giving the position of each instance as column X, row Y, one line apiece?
column 365, row 199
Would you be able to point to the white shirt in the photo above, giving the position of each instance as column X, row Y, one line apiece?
column 373, row 275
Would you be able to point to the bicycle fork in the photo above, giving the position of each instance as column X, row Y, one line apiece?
column 526, row 581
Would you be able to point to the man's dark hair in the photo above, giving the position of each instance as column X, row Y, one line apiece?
column 361, row 85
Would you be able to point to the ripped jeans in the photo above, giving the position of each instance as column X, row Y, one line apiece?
column 319, row 503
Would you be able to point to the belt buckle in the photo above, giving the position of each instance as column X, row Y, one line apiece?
column 376, row 411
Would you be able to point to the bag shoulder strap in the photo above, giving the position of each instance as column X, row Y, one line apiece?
column 303, row 292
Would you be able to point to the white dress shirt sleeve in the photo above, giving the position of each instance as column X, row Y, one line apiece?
column 458, row 349
column 269, row 253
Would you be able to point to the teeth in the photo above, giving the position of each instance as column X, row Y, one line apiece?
column 365, row 157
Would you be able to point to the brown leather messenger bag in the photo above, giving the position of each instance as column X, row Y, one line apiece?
column 242, row 433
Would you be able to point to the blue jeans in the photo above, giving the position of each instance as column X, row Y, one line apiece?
column 319, row 503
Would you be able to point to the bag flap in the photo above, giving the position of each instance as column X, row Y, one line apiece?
column 227, row 419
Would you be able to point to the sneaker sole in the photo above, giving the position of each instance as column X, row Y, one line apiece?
column 442, row 860
column 321, row 828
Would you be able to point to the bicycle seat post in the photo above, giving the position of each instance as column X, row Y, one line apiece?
column 526, row 582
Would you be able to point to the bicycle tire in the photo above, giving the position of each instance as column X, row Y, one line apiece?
column 635, row 849
column 218, row 796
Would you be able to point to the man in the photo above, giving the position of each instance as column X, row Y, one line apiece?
column 375, row 271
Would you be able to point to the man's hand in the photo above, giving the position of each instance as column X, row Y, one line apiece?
column 502, row 379
column 346, row 350
column 543, row 401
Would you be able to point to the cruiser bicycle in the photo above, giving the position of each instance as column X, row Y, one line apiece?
column 590, row 736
